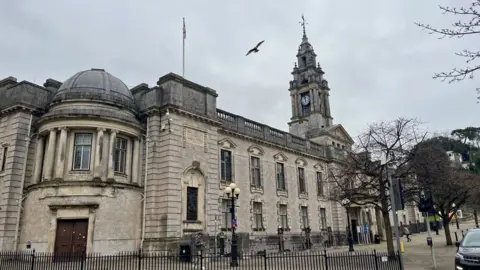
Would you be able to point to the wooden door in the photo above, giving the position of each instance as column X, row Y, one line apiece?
column 71, row 237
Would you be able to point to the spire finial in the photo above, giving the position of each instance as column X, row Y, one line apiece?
column 303, row 23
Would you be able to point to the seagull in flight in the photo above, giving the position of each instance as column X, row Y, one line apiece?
column 255, row 49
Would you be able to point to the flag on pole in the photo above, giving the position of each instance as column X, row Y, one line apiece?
column 184, row 29
column 183, row 50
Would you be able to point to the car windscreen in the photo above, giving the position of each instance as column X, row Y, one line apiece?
column 472, row 239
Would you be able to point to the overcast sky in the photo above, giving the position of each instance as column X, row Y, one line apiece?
column 378, row 63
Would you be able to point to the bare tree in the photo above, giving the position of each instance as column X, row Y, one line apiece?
column 450, row 186
column 467, row 25
column 363, row 178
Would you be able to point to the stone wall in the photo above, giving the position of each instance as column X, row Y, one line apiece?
column 13, row 134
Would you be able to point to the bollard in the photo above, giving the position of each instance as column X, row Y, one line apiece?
column 402, row 247
column 456, row 237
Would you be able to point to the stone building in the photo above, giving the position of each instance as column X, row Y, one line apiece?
column 89, row 164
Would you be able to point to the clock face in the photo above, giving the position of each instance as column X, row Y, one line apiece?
column 305, row 100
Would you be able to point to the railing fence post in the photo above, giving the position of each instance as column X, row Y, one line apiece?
column 399, row 260
column 326, row 259
column 33, row 260
column 265, row 259
column 201, row 260
column 140, row 259
column 376, row 259
column 82, row 262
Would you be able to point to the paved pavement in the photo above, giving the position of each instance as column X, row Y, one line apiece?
column 417, row 254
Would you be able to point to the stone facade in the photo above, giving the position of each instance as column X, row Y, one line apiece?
column 125, row 163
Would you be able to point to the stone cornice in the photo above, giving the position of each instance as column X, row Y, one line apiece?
column 227, row 131
column 175, row 109
column 53, row 184
column 177, row 78
column 21, row 107
column 53, row 118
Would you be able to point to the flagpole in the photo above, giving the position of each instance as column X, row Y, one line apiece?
column 183, row 52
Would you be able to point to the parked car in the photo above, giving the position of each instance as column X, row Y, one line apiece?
column 468, row 251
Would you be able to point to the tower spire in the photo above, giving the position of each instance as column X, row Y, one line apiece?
column 303, row 23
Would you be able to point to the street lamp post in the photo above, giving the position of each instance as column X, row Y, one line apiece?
column 232, row 192
column 346, row 204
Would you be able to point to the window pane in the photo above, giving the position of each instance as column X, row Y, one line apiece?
column 226, row 165
column 85, row 157
column 78, row 139
column 192, row 203
column 77, row 162
column 87, row 139
column 226, row 214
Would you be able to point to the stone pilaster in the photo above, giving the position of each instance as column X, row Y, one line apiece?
column 60, row 156
column 111, row 153
column 135, row 160
column 50, row 156
column 98, row 171
column 37, row 173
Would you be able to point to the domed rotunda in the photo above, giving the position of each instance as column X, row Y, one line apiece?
column 86, row 174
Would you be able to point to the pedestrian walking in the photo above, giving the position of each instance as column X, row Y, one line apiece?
column 406, row 232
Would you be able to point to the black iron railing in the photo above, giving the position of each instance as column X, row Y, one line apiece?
column 364, row 260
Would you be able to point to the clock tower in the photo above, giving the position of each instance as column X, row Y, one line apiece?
column 309, row 92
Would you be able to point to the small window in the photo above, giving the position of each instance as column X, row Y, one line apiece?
column 226, row 214
column 320, row 190
column 304, row 212
column 256, row 179
column 323, row 218
column 301, row 181
column 192, row 203
column 281, row 177
column 257, row 216
column 82, row 151
column 120, row 158
column 283, row 213
column 4, row 159
column 333, row 143
column 226, row 167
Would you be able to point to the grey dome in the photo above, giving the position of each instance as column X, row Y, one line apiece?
column 98, row 85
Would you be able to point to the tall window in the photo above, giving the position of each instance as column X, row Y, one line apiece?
column 283, row 213
column 226, row 165
column 319, row 184
column 301, row 181
column 192, row 203
column 226, row 213
column 281, row 177
column 4, row 159
column 120, row 158
column 323, row 218
column 257, row 215
column 304, row 217
column 255, row 167
column 82, row 151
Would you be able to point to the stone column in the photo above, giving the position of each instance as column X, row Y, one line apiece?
column 297, row 105
column 37, row 173
column 50, row 156
column 293, row 106
column 111, row 153
column 135, row 160
column 60, row 162
column 98, row 158
column 312, row 101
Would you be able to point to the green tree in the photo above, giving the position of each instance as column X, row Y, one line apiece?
column 451, row 187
